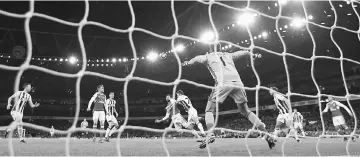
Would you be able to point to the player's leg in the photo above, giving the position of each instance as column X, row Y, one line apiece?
column 102, row 123
column 293, row 131
column 302, row 131
column 21, row 131
column 338, row 122
column 116, row 126
column 218, row 95
column 280, row 120
column 12, row 113
column 111, row 125
column 95, row 123
column 240, row 98
column 193, row 117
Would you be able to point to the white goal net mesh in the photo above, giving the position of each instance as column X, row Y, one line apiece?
column 26, row 65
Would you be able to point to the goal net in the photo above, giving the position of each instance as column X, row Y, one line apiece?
column 305, row 20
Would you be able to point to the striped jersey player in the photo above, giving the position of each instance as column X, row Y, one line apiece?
column 111, row 116
column 98, row 110
column 21, row 98
column 337, row 117
column 298, row 121
column 193, row 119
column 227, row 83
column 284, row 117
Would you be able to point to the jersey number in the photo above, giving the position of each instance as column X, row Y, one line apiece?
column 224, row 64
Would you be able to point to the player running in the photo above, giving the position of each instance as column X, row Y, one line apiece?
column 298, row 122
column 184, row 101
column 227, row 83
column 20, row 100
column 98, row 110
column 337, row 117
column 112, row 121
column 284, row 117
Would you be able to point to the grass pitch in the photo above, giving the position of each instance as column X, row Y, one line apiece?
column 178, row 147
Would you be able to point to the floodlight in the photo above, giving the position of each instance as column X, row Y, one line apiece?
column 152, row 56
column 72, row 59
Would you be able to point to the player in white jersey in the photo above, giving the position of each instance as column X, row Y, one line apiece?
column 285, row 110
column 227, row 83
column 52, row 131
column 111, row 116
column 298, row 121
column 337, row 117
column 184, row 101
column 20, row 100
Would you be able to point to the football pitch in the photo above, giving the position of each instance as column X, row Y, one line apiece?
column 179, row 147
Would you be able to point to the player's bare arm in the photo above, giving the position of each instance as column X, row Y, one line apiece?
column 164, row 118
column 195, row 60
column 116, row 113
column 91, row 101
column 32, row 104
column 16, row 94
column 106, row 105
column 326, row 109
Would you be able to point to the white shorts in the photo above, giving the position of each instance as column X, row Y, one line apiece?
column 298, row 125
column 193, row 116
column 98, row 115
column 111, row 119
column 284, row 118
column 338, row 120
column 17, row 116
column 179, row 121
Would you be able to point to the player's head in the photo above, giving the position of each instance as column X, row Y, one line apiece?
column 111, row 95
column 295, row 110
column 273, row 90
column 180, row 92
column 100, row 88
column 168, row 97
column 329, row 98
column 27, row 87
column 84, row 119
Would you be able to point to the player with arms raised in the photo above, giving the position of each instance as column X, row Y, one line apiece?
column 337, row 117
column 193, row 118
column 285, row 113
column 111, row 115
column 227, row 83
column 98, row 111
column 20, row 100
column 298, row 122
